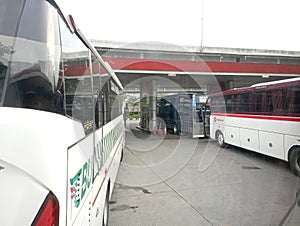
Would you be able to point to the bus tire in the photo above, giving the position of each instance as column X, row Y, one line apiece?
column 220, row 139
column 294, row 161
column 106, row 209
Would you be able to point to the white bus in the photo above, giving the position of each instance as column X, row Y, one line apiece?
column 62, row 129
column 264, row 118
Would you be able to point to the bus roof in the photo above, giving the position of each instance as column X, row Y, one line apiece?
column 292, row 82
column 283, row 81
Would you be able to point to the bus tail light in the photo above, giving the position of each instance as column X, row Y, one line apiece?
column 48, row 214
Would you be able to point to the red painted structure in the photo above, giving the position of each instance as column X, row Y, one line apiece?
column 192, row 66
column 201, row 66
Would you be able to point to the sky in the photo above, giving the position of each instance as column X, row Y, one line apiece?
column 255, row 24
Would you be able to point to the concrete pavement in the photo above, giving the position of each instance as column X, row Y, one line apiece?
column 172, row 180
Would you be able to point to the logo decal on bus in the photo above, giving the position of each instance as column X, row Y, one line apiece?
column 82, row 180
column 80, row 183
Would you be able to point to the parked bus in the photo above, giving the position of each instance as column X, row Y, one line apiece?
column 62, row 129
column 264, row 118
column 183, row 113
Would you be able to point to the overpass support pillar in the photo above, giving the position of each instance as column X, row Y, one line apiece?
column 153, row 94
column 148, row 93
column 229, row 85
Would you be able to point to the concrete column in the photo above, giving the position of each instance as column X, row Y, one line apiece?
column 141, row 107
column 153, row 94
column 229, row 85
column 144, row 93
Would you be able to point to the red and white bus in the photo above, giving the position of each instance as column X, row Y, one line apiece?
column 264, row 118
column 62, row 129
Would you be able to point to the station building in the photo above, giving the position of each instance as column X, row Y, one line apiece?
column 153, row 69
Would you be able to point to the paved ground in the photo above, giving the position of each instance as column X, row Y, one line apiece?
column 172, row 180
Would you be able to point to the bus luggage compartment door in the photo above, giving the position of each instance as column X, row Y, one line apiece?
column 249, row 139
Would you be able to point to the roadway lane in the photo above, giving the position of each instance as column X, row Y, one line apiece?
column 171, row 180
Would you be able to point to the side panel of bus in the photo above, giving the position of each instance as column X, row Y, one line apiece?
column 249, row 139
column 92, row 171
column 109, row 144
column 272, row 144
column 232, row 135
column 217, row 123
column 258, row 135
column 80, row 179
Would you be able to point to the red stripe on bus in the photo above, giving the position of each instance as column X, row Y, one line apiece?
column 264, row 117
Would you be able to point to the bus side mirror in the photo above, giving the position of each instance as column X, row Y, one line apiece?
column 71, row 23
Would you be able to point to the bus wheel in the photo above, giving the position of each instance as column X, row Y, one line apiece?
column 106, row 210
column 295, row 161
column 220, row 139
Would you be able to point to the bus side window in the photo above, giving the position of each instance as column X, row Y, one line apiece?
column 107, row 114
column 100, row 110
column 259, row 102
column 97, row 81
column 114, row 100
column 77, row 78
column 30, row 88
column 269, row 103
column 277, row 101
column 30, row 73
column 235, row 103
column 252, row 102
column 228, row 103
column 293, row 102
column 297, row 101
column 244, row 102
column 217, row 104
column 264, row 103
column 102, row 101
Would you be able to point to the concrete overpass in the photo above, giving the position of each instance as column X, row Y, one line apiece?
column 193, row 68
